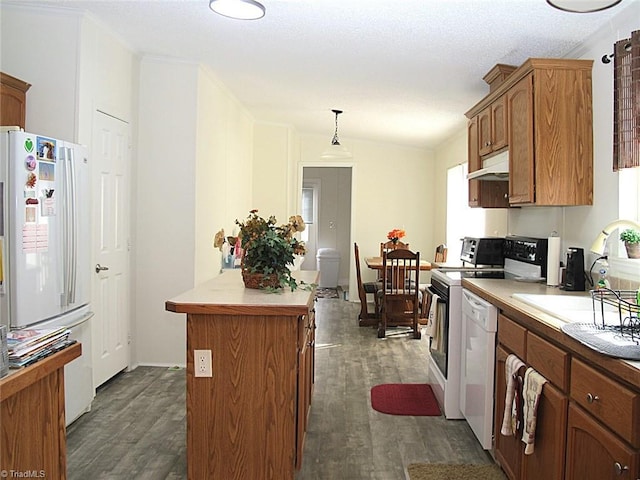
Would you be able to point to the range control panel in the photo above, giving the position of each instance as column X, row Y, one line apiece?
column 526, row 249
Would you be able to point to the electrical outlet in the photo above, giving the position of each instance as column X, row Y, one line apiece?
column 202, row 363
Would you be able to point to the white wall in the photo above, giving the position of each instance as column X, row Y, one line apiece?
column 41, row 48
column 195, row 146
column 224, row 152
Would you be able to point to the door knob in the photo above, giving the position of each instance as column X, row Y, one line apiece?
column 99, row 268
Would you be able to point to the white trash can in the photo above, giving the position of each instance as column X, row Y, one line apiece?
column 328, row 261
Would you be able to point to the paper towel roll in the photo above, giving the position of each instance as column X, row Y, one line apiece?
column 553, row 261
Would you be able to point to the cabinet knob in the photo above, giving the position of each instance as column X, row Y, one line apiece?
column 592, row 398
column 620, row 469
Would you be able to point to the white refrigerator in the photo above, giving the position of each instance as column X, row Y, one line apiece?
column 45, row 246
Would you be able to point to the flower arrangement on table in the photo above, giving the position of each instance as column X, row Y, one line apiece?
column 268, row 250
column 396, row 234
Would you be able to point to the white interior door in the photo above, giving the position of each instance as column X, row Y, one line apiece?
column 111, row 325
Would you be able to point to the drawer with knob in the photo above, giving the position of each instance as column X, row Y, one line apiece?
column 610, row 402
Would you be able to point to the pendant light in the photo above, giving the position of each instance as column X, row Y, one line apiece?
column 336, row 150
column 583, row 6
column 238, row 9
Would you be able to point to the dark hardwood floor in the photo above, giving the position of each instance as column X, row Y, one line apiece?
column 137, row 425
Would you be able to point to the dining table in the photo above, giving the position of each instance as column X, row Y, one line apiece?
column 375, row 263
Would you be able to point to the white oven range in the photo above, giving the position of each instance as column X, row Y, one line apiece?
column 444, row 348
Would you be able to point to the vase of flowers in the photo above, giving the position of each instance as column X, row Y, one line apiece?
column 395, row 235
column 269, row 250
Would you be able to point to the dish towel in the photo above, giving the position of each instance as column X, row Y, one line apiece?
column 431, row 329
column 531, row 391
column 509, row 419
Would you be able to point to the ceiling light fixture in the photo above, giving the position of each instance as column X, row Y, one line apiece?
column 583, row 6
column 336, row 150
column 238, row 9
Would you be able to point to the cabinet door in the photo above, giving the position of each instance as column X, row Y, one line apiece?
column 508, row 450
column 499, row 124
column 484, row 131
column 12, row 106
column 548, row 459
column 521, row 148
column 594, row 452
column 13, row 101
column 474, row 161
column 482, row 193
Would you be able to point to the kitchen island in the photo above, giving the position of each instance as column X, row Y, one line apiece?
column 589, row 410
column 248, row 419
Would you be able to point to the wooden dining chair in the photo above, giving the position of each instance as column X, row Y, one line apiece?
column 387, row 247
column 365, row 318
column 441, row 254
column 400, row 294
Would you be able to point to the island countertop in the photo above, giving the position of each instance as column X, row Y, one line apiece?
column 226, row 293
column 500, row 293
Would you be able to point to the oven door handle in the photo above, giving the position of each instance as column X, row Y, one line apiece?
column 432, row 292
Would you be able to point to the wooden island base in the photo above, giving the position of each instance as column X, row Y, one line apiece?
column 249, row 419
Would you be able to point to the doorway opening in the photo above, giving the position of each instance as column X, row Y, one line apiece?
column 326, row 209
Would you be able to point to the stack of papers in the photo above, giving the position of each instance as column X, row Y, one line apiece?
column 30, row 345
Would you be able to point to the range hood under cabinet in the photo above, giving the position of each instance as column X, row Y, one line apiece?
column 495, row 168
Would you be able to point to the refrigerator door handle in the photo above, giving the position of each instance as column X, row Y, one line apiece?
column 68, row 227
column 73, row 207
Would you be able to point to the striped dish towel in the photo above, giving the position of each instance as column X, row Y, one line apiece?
column 531, row 391
column 511, row 367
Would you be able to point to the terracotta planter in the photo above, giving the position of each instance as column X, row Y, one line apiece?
column 260, row 280
column 633, row 250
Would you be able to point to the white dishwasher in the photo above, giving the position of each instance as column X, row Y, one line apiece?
column 479, row 325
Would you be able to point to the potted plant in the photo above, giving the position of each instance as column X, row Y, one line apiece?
column 631, row 239
column 269, row 250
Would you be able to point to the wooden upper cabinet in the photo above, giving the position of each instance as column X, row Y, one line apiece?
column 542, row 112
column 474, row 161
column 492, row 127
column 551, row 134
column 521, row 153
column 482, row 193
column 13, row 101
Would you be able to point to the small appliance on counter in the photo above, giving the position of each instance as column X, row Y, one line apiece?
column 483, row 251
column 574, row 270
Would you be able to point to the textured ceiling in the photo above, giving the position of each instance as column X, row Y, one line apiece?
column 403, row 71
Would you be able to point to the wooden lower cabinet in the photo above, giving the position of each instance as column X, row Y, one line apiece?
column 594, row 453
column 547, row 460
column 306, row 371
column 508, row 450
column 32, row 419
column 588, row 422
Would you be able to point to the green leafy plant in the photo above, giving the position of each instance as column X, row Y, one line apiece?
column 269, row 248
column 630, row 236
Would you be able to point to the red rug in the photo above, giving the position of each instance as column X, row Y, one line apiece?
column 405, row 399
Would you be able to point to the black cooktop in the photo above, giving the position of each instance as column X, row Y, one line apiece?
column 482, row 274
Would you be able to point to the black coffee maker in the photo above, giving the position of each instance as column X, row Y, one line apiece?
column 574, row 271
